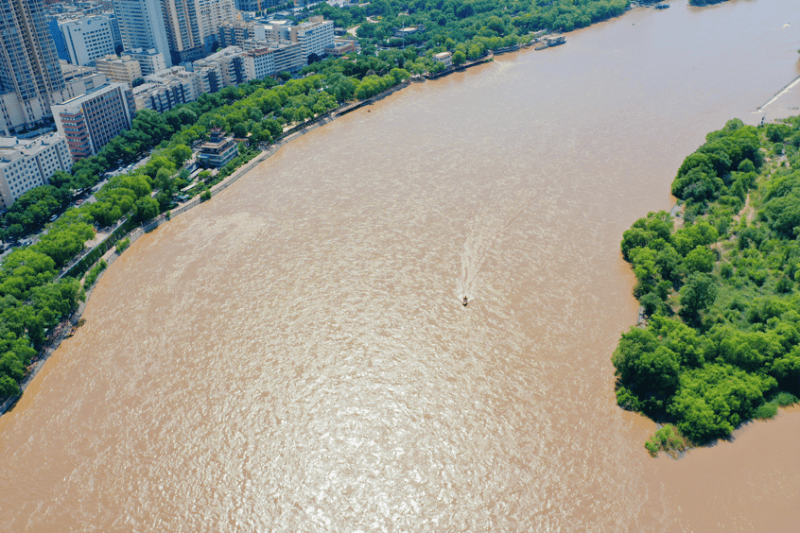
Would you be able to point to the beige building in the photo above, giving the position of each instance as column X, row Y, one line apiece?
column 123, row 69
column 237, row 32
column 313, row 36
column 167, row 89
column 286, row 55
column 341, row 47
column 445, row 58
column 28, row 164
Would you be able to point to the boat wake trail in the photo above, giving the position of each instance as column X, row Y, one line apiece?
column 479, row 243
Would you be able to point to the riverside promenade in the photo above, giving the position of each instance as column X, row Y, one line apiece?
column 67, row 327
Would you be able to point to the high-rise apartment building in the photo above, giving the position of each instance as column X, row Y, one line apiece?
column 54, row 25
column 314, row 36
column 115, row 33
column 141, row 25
column 28, row 59
column 88, row 38
column 28, row 164
column 88, row 122
column 192, row 26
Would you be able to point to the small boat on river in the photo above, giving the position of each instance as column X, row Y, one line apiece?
column 465, row 301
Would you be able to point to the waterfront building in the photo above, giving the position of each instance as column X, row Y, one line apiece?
column 289, row 57
column 313, row 36
column 25, row 164
column 123, row 69
column 282, row 56
column 28, row 59
column 159, row 97
column 445, row 58
column 188, row 79
column 259, row 63
column 88, row 122
column 141, row 25
column 256, row 5
column 88, row 38
column 218, row 151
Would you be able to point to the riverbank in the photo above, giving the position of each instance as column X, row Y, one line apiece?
column 67, row 327
column 287, row 342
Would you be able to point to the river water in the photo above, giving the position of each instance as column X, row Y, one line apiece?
column 293, row 355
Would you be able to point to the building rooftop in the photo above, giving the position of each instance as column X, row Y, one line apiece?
column 12, row 148
column 92, row 92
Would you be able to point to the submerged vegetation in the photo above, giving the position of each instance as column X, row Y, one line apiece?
column 722, row 341
column 666, row 439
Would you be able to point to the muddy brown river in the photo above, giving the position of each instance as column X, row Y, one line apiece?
column 293, row 355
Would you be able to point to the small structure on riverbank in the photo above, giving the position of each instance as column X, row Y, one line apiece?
column 445, row 58
column 218, row 151
column 550, row 40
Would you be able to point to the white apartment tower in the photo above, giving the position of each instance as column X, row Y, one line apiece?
column 28, row 164
column 141, row 24
column 313, row 36
column 88, row 38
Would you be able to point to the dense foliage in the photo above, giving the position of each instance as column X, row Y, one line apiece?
column 722, row 342
column 470, row 27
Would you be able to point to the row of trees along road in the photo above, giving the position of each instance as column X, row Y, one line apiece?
column 32, row 298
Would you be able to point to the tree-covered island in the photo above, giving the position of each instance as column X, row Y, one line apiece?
column 721, row 341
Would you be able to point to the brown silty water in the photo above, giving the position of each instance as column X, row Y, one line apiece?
column 294, row 355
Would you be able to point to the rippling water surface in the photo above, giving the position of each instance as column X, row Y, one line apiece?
column 294, row 356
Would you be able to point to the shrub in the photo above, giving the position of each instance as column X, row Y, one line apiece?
column 205, row 196
column 93, row 274
column 668, row 439
column 766, row 410
column 123, row 245
column 784, row 399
